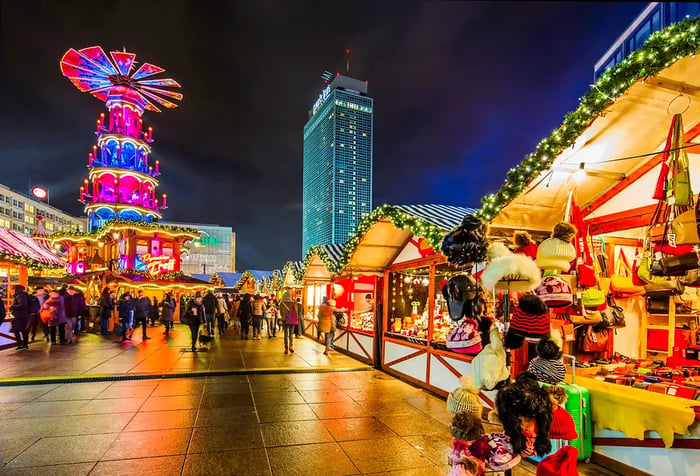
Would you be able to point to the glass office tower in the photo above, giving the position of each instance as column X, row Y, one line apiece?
column 338, row 144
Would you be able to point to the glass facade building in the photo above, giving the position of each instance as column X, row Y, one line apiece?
column 656, row 16
column 338, row 145
column 213, row 252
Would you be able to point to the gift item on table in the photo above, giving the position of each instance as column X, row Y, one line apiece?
column 510, row 271
column 557, row 252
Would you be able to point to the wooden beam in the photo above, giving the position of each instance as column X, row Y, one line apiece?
column 634, row 218
column 634, row 176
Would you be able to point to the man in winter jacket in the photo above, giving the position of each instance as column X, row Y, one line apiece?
column 194, row 317
column 75, row 308
column 125, row 307
column 20, row 311
column 210, row 304
column 142, row 308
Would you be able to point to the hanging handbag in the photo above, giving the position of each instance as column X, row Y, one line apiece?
column 594, row 341
column 586, row 317
column 592, row 298
column 685, row 226
column 679, row 265
column 621, row 283
column 617, row 314
column 585, row 272
column 663, row 289
column 691, row 279
column 657, row 306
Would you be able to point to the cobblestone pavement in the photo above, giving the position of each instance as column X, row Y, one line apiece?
column 335, row 423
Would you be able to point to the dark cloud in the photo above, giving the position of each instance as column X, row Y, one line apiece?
column 463, row 90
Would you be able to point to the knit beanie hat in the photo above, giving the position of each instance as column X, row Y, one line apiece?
column 561, row 463
column 496, row 450
column 563, row 427
column 530, row 318
column 555, row 292
column 466, row 426
column 548, row 371
column 465, row 398
column 557, row 252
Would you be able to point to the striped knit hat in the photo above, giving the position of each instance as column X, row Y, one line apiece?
column 530, row 318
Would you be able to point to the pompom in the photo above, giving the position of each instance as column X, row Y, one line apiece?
column 522, row 238
column 492, row 417
column 496, row 250
column 556, row 394
column 468, row 384
column 480, row 448
column 466, row 426
column 532, row 304
column 564, row 231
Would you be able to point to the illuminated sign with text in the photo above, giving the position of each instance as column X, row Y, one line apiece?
column 321, row 99
column 158, row 264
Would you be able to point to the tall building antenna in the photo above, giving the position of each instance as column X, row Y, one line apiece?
column 347, row 61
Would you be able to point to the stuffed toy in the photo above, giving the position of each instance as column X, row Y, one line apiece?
column 557, row 252
column 510, row 271
column 467, row 243
column 525, row 410
column 524, row 244
column 530, row 319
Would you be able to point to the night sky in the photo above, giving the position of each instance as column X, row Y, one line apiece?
column 463, row 91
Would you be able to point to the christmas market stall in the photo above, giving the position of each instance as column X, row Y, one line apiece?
column 396, row 250
column 292, row 272
column 319, row 266
column 22, row 257
column 252, row 281
column 624, row 169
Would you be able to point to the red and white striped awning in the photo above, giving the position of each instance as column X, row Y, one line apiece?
column 18, row 245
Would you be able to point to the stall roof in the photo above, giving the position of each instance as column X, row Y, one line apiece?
column 23, row 249
column 202, row 277
column 608, row 151
column 292, row 272
column 229, row 279
column 382, row 234
column 322, row 262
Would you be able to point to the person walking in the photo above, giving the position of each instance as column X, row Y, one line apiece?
column 235, row 306
column 125, row 307
column 326, row 323
column 299, row 329
column 153, row 314
column 221, row 310
column 106, row 303
column 54, row 314
column 194, row 317
column 142, row 309
column 258, row 313
column 210, row 305
column 245, row 314
column 271, row 319
column 35, row 301
column 288, row 310
column 75, row 308
column 166, row 313
column 20, row 311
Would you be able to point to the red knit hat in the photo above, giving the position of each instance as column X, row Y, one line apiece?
column 530, row 318
column 561, row 463
column 563, row 427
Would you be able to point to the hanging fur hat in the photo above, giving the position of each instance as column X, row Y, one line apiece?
column 520, row 271
column 466, row 243
column 525, row 398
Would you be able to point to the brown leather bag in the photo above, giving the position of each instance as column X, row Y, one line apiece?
column 594, row 341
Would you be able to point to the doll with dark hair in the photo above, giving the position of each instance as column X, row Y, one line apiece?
column 525, row 411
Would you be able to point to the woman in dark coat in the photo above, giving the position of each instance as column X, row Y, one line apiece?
column 55, row 302
column 166, row 313
column 106, row 303
column 245, row 313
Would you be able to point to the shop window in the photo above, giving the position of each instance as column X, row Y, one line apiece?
column 408, row 304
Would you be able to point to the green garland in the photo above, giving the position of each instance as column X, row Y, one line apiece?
column 116, row 221
column 30, row 263
column 662, row 49
column 399, row 219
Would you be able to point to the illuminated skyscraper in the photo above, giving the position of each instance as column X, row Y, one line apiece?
column 338, row 144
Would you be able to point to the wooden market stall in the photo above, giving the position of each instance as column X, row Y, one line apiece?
column 319, row 266
column 608, row 156
column 22, row 256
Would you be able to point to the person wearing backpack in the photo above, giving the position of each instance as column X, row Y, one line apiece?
column 290, row 315
column 20, row 311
